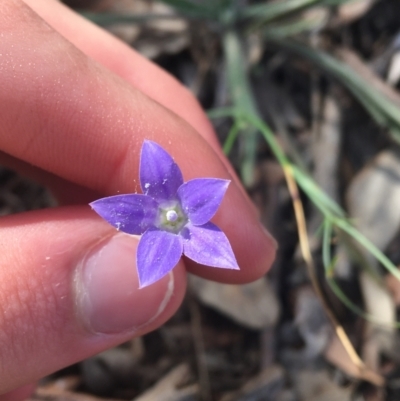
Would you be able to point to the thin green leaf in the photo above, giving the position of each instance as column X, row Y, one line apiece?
column 242, row 99
column 369, row 246
column 326, row 205
column 191, row 8
column 222, row 112
column 276, row 9
column 326, row 248
column 296, row 27
column 383, row 110
column 329, row 267
column 279, row 9
column 208, row 9
column 237, row 126
column 105, row 19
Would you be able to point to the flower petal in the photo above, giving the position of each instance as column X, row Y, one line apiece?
column 160, row 176
column 209, row 246
column 158, row 253
column 132, row 213
column 200, row 198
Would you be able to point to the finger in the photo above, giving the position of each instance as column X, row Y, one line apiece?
column 78, row 121
column 125, row 62
column 132, row 67
column 68, row 290
column 19, row 394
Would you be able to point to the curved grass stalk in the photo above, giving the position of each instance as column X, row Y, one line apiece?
column 329, row 267
column 107, row 18
column 243, row 100
column 232, row 136
column 363, row 370
column 384, row 111
column 278, row 9
column 329, row 208
column 332, row 212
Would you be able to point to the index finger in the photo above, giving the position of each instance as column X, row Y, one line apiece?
column 132, row 67
column 66, row 114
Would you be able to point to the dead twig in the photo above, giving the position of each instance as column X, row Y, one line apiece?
column 363, row 371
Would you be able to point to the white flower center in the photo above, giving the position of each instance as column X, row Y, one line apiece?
column 171, row 215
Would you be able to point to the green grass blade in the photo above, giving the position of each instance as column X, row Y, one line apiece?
column 242, row 99
column 329, row 266
column 237, row 74
column 354, row 308
column 222, row 112
column 237, row 126
column 383, row 110
column 278, row 9
column 208, row 9
column 313, row 191
column 275, row 9
column 105, row 19
column 245, row 110
column 202, row 9
column 306, row 183
column 326, row 248
column 369, row 246
column 328, row 207
column 295, row 27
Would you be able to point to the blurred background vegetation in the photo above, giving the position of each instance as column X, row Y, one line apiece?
column 304, row 98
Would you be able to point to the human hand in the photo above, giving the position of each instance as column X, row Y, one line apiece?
column 75, row 108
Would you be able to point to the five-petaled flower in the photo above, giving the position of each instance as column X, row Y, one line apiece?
column 172, row 217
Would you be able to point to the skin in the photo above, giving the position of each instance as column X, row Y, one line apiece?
column 75, row 107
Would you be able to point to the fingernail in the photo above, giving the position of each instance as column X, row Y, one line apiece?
column 108, row 297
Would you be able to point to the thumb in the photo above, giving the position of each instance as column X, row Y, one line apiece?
column 69, row 289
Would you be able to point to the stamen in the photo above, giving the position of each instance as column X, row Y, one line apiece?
column 171, row 215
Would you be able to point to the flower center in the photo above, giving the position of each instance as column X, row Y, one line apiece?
column 171, row 217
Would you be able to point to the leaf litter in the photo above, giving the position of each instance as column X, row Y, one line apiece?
column 280, row 344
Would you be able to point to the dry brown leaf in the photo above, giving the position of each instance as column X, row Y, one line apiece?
column 169, row 387
column 393, row 75
column 352, row 59
column 265, row 385
column 393, row 285
column 351, row 11
column 253, row 305
column 373, row 199
column 337, row 355
column 318, row 386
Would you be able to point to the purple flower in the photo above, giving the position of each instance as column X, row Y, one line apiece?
column 172, row 217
